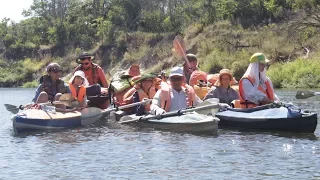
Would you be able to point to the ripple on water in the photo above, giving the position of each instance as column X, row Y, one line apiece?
column 111, row 151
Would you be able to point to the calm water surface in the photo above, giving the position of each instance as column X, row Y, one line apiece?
column 108, row 151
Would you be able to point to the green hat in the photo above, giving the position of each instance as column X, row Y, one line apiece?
column 259, row 57
column 146, row 76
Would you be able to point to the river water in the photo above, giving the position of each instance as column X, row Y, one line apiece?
column 106, row 151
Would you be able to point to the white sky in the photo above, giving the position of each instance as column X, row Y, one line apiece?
column 13, row 8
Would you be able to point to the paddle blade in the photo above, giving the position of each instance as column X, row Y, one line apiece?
column 90, row 115
column 304, row 94
column 179, row 46
column 12, row 108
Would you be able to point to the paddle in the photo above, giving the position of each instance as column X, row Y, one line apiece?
column 89, row 115
column 130, row 119
column 306, row 94
column 180, row 48
column 15, row 109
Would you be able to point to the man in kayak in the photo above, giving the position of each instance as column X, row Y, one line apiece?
column 51, row 86
column 143, row 89
column 223, row 90
column 187, row 71
column 94, row 73
column 97, row 81
column 255, row 88
column 175, row 96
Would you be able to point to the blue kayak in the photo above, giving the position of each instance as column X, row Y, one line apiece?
column 269, row 119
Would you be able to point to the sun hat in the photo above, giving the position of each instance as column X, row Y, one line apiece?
column 197, row 76
column 224, row 72
column 259, row 57
column 82, row 75
column 145, row 77
column 176, row 71
column 53, row 67
column 83, row 56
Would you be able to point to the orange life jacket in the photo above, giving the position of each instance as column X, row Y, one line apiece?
column 80, row 95
column 92, row 74
column 247, row 104
column 166, row 97
column 201, row 92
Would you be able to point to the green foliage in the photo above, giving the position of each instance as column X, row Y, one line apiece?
column 301, row 73
column 31, row 84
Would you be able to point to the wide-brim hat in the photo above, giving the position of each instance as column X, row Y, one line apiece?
column 145, row 77
column 84, row 56
column 82, row 75
column 225, row 72
column 197, row 76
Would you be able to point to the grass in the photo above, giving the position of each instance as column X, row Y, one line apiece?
column 301, row 73
column 217, row 46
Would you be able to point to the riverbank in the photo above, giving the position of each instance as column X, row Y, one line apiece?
column 221, row 45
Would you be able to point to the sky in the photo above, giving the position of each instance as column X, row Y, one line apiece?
column 13, row 8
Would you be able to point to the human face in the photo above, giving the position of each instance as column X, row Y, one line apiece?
column 134, row 71
column 146, row 84
column 78, row 81
column 225, row 80
column 176, row 82
column 261, row 67
column 193, row 65
column 86, row 63
column 54, row 74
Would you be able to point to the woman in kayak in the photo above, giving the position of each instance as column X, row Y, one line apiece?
column 51, row 86
column 223, row 90
column 143, row 89
column 255, row 88
column 77, row 85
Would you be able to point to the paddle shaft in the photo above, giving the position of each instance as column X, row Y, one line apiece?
column 128, row 106
column 173, row 113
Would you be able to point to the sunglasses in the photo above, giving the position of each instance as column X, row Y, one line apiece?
column 84, row 63
column 55, row 70
column 176, row 78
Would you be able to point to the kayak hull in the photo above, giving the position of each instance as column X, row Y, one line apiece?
column 39, row 120
column 190, row 123
column 268, row 121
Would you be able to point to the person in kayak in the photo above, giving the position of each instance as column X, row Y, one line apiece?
column 223, row 90
column 175, row 96
column 255, row 88
column 198, row 80
column 98, row 85
column 143, row 89
column 94, row 73
column 77, row 85
column 187, row 71
column 51, row 87
column 128, row 79
column 134, row 70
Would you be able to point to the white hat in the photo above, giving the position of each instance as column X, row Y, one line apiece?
column 81, row 74
column 176, row 71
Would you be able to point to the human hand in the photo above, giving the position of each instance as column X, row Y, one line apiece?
column 160, row 111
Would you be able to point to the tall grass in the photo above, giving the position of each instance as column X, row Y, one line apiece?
column 301, row 73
